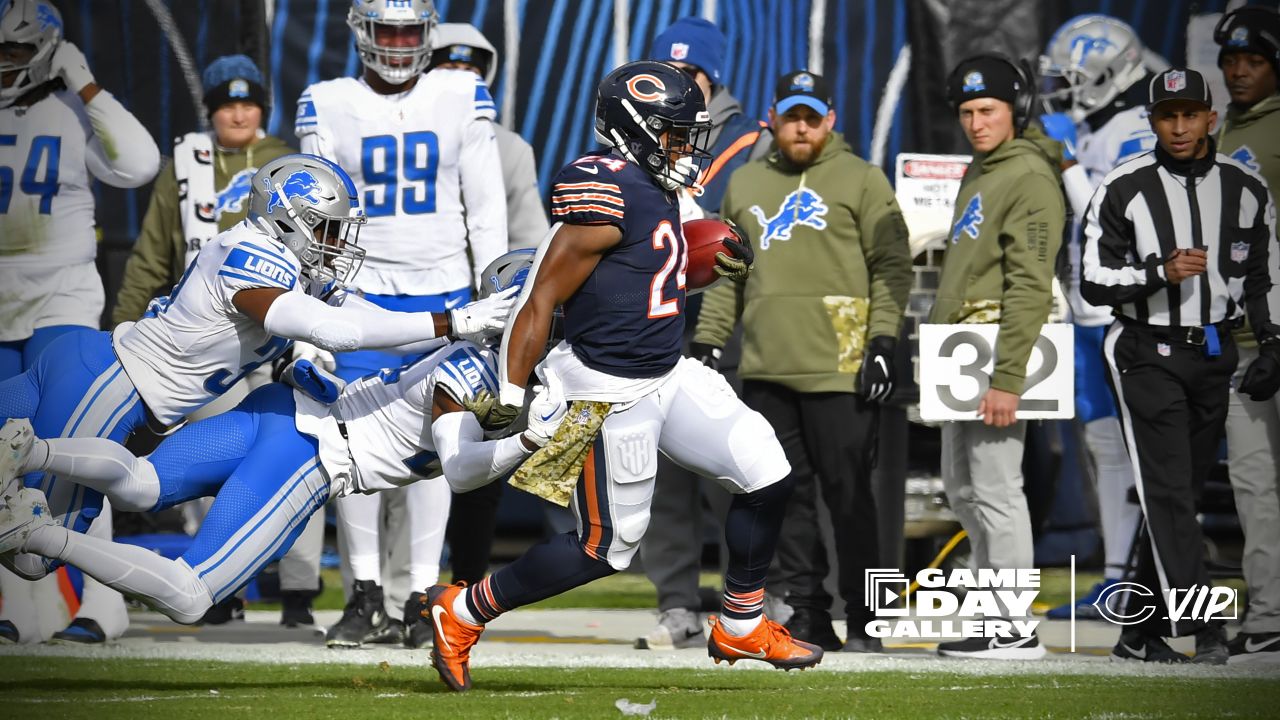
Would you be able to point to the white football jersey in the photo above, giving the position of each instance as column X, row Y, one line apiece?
column 1124, row 137
column 199, row 344
column 388, row 415
column 50, row 153
column 427, row 167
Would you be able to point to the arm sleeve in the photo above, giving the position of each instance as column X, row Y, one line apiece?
column 1262, row 283
column 722, row 305
column 1031, row 236
column 150, row 265
column 1075, row 180
column 298, row 316
column 526, row 219
column 468, row 460
column 121, row 152
column 414, row 348
column 888, row 255
column 1108, row 273
column 483, row 194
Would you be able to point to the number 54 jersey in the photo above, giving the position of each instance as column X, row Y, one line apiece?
column 418, row 158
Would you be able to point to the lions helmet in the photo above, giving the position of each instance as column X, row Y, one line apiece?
column 1089, row 62
column 34, row 23
column 511, row 269
column 311, row 206
column 656, row 117
column 413, row 20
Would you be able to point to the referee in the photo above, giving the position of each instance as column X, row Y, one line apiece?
column 1177, row 241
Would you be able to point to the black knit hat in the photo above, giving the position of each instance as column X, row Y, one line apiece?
column 983, row 76
column 230, row 79
column 1250, row 29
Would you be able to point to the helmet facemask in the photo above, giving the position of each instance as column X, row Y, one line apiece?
column 396, row 46
column 39, row 27
column 674, row 152
column 332, row 256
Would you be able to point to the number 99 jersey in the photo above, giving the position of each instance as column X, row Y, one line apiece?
column 414, row 157
column 627, row 319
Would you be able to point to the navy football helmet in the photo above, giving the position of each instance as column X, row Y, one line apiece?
column 656, row 117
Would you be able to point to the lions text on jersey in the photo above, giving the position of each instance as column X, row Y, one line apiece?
column 199, row 344
column 420, row 159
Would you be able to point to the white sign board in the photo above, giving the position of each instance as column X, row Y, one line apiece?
column 956, row 362
column 926, row 187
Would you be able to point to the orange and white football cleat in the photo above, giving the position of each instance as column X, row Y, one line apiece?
column 769, row 642
column 454, row 637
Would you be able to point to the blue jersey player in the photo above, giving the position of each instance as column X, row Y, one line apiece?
column 273, row 460
column 616, row 263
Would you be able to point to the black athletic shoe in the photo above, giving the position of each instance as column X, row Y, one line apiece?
column 1254, row 647
column 224, row 612
column 994, row 648
column 392, row 634
column 1211, row 645
column 417, row 628
column 82, row 630
column 814, row 627
column 8, row 632
column 1134, row 645
column 295, row 608
column 363, row 619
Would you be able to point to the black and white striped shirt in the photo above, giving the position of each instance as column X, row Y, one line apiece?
column 1153, row 204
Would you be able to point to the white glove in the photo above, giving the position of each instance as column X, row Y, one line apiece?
column 546, row 410
column 485, row 318
column 319, row 357
column 69, row 64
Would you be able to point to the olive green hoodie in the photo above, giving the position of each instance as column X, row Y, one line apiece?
column 832, row 269
column 1005, row 236
column 1253, row 137
column 159, row 253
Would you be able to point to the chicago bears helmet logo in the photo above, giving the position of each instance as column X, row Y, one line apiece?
column 633, row 87
column 969, row 221
column 300, row 184
column 800, row 207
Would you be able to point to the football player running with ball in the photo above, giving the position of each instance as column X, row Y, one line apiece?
column 617, row 264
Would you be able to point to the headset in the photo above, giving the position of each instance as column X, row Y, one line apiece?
column 1222, row 37
column 1024, row 102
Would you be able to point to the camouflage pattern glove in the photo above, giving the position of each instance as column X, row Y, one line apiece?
column 490, row 411
column 738, row 266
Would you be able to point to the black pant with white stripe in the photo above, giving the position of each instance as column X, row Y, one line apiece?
column 1173, row 399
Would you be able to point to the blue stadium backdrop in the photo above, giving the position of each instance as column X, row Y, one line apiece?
column 564, row 46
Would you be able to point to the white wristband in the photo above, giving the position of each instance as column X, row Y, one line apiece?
column 512, row 394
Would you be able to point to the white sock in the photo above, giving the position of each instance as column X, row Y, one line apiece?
column 461, row 610
column 1114, row 470
column 106, row 466
column 358, row 518
column 738, row 627
column 428, row 513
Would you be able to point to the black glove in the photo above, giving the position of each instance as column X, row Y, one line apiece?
column 1262, row 378
column 708, row 355
column 876, row 377
column 738, row 266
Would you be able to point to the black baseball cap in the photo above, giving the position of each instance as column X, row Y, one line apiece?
column 1178, row 84
column 801, row 87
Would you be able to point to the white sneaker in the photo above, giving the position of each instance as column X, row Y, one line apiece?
column 677, row 628
column 23, row 512
column 16, row 438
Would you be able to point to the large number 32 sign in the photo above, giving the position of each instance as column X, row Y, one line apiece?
column 956, row 362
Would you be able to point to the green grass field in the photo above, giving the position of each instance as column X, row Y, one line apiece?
column 101, row 690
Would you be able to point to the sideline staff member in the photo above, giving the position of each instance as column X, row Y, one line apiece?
column 998, row 269
column 1179, row 241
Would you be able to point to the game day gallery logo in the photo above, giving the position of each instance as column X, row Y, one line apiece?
column 994, row 603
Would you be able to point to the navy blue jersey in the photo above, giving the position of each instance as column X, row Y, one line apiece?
column 627, row 319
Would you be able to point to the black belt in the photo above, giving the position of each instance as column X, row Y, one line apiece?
column 1184, row 334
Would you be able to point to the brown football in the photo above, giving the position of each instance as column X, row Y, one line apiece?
column 705, row 238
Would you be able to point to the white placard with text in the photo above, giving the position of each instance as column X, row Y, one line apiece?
column 956, row 362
